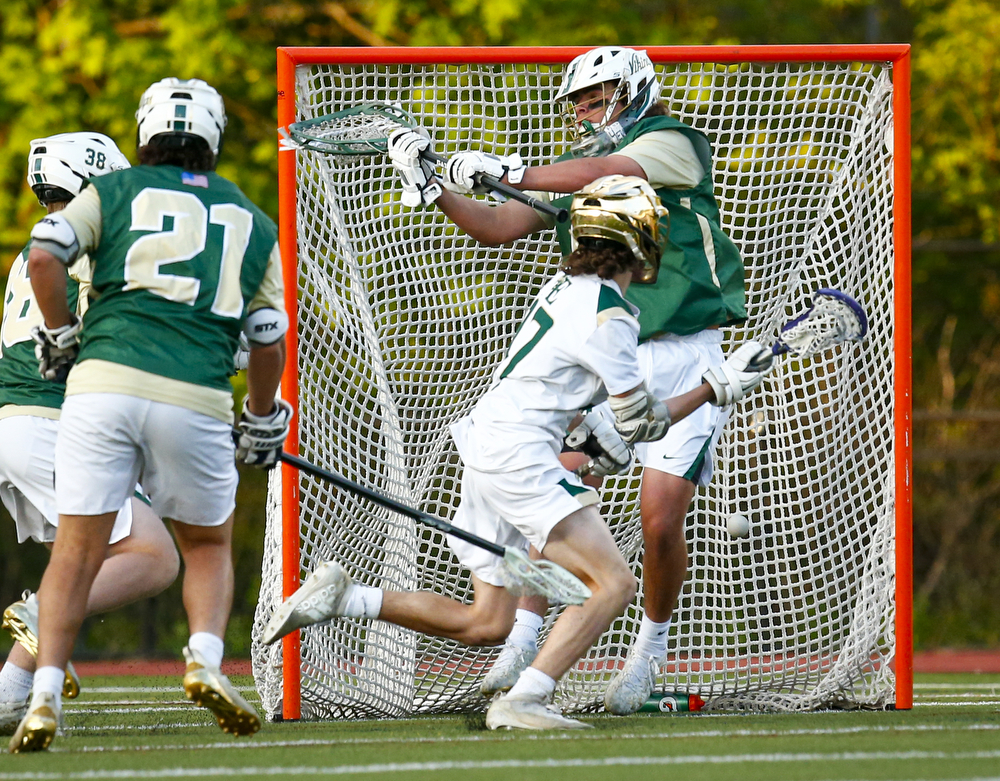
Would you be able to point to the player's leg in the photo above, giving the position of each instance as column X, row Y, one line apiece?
column 79, row 550
column 191, row 478
column 97, row 466
column 139, row 565
column 484, row 622
column 581, row 543
column 674, row 467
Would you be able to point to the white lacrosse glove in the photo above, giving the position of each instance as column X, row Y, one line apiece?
column 464, row 169
column 56, row 348
column 597, row 437
column 741, row 373
column 420, row 184
column 640, row 416
column 259, row 438
column 241, row 358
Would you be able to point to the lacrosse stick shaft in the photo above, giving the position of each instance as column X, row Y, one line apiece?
column 392, row 504
column 560, row 215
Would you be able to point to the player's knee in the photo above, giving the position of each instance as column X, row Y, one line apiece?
column 491, row 630
column 662, row 525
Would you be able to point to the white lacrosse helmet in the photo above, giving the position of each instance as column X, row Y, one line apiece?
column 177, row 111
column 632, row 75
column 59, row 165
column 625, row 210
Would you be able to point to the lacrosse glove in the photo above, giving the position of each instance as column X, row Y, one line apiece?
column 597, row 437
column 259, row 438
column 464, row 171
column 56, row 348
column 420, row 184
column 640, row 416
column 741, row 373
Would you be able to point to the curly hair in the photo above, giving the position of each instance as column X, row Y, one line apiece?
column 603, row 257
column 190, row 157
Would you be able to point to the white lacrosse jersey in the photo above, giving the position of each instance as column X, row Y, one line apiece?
column 576, row 345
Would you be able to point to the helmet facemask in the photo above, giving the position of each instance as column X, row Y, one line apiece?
column 631, row 78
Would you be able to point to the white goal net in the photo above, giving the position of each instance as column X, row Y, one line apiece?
column 402, row 319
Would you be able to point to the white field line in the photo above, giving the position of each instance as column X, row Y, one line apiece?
column 510, row 764
column 941, row 703
column 543, row 737
column 956, row 686
column 149, row 689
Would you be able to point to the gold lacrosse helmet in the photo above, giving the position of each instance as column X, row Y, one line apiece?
column 627, row 210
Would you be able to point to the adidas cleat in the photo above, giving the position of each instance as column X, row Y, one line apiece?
column 320, row 598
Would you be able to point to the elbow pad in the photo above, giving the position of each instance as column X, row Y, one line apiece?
column 55, row 235
column 265, row 326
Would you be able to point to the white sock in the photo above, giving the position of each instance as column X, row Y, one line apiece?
column 209, row 646
column 533, row 682
column 527, row 625
column 652, row 639
column 362, row 602
column 49, row 680
column 15, row 683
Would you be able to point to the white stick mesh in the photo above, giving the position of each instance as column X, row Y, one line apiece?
column 402, row 320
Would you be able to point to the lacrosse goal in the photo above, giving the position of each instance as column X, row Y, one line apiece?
column 399, row 320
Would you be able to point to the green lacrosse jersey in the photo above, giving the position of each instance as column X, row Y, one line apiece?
column 20, row 383
column 180, row 257
column 700, row 284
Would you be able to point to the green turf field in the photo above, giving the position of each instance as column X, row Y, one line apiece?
column 128, row 727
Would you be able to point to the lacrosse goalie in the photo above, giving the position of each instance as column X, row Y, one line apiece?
column 148, row 390
column 141, row 558
column 576, row 346
column 609, row 99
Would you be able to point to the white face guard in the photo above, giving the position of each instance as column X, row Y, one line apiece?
column 631, row 76
column 59, row 165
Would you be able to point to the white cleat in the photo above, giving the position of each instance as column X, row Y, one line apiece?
column 511, row 661
column 21, row 620
column 39, row 726
column 631, row 687
column 320, row 598
column 508, row 712
column 11, row 713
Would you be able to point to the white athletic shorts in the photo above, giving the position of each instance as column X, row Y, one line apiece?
column 27, row 454
column 672, row 365
column 108, row 440
column 514, row 509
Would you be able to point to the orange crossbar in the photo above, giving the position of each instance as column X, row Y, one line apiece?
column 897, row 54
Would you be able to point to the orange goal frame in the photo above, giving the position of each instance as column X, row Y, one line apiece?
column 896, row 54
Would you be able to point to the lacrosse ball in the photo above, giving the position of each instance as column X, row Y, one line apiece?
column 738, row 526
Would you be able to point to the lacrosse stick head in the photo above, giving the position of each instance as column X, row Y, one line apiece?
column 359, row 130
column 523, row 577
column 833, row 318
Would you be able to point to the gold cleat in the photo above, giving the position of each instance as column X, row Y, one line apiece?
column 21, row 620
column 208, row 688
column 38, row 727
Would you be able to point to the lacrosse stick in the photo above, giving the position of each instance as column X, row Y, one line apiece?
column 521, row 576
column 833, row 318
column 365, row 129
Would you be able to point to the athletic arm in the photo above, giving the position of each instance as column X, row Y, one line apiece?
column 48, row 283
column 496, row 225
column 265, row 328
column 264, row 369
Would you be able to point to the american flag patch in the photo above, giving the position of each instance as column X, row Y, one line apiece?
column 194, row 180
